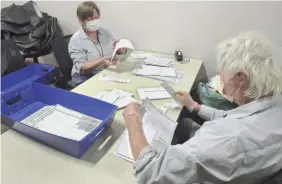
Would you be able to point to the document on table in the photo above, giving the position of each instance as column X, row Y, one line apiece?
column 116, row 97
column 172, row 92
column 180, row 77
column 153, row 93
column 146, row 70
column 158, row 61
column 61, row 121
column 156, row 127
column 112, row 78
column 122, row 43
column 140, row 56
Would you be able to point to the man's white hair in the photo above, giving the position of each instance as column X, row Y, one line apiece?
column 251, row 53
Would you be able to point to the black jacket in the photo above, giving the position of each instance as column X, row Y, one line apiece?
column 32, row 33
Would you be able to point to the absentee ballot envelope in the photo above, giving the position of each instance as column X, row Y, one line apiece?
column 172, row 92
column 122, row 43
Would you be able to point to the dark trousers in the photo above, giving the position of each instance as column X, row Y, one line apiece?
column 188, row 124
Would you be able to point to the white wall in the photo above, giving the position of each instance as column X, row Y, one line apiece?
column 192, row 27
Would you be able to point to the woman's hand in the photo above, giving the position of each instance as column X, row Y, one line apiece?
column 121, row 50
column 186, row 99
column 106, row 61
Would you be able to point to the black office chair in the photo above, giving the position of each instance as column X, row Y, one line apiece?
column 275, row 179
column 11, row 58
column 60, row 48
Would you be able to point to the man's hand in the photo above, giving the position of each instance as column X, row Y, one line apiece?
column 121, row 50
column 132, row 109
column 186, row 99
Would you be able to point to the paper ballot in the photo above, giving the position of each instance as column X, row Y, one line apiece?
column 147, row 70
column 117, row 97
column 122, row 43
column 153, row 93
column 172, row 92
column 157, row 127
column 158, row 61
column 61, row 121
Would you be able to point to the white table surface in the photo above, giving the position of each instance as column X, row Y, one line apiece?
column 25, row 161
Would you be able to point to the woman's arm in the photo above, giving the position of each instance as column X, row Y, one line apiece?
column 95, row 63
column 136, row 136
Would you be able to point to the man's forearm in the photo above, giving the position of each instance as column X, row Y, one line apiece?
column 91, row 65
column 136, row 136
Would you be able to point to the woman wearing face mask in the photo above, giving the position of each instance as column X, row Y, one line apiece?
column 243, row 145
column 91, row 46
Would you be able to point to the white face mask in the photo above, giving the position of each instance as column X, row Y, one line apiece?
column 229, row 98
column 92, row 25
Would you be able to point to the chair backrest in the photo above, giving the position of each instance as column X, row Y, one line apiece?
column 60, row 48
column 11, row 58
column 276, row 179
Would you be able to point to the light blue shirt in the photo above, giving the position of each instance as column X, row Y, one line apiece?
column 82, row 49
column 240, row 146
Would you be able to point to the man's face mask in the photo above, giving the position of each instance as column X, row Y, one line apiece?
column 92, row 25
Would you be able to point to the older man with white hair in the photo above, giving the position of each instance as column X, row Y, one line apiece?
column 243, row 145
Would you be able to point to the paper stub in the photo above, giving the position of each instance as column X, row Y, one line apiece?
column 153, row 93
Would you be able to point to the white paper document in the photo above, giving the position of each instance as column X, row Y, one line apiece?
column 156, row 127
column 158, row 61
column 147, row 70
column 61, row 121
column 122, row 43
column 112, row 78
column 140, row 56
column 180, row 77
column 116, row 97
column 153, row 93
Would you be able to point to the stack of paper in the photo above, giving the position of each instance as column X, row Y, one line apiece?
column 112, row 78
column 156, row 126
column 117, row 97
column 172, row 92
column 180, row 77
column 153, row 93
column 158, row 61
column 140, row 56
column 61, row 121
column 146, row 70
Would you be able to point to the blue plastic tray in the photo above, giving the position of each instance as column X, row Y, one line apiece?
column 19, row 103
column 33, row 73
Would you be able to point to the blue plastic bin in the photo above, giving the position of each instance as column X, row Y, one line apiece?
column 33, row 73
column 19, row 103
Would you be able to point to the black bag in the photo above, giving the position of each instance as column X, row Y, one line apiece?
column 11, row 58
column 31, row 33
